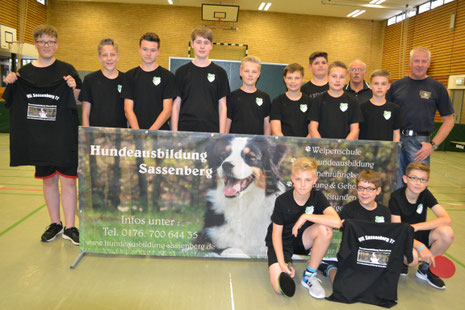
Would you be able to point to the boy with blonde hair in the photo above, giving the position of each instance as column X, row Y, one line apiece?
column 302, row 219
column 248, row 107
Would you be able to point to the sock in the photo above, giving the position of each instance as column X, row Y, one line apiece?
column 310, row 271
column 424, row 266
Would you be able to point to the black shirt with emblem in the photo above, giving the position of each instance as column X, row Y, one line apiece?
column 354, row 210
column 335, row 115
column 313, row 90
column 148, row 90
column 200, row 89
column 292, row 114
column 286, row 213
column 411, row 213
column 379, row 122
column 418, row 101
column 363, row 95
column 104, row 95
column 247, row 111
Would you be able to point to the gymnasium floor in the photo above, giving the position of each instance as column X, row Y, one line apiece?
column 36, row 275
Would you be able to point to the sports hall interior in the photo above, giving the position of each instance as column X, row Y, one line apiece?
column 37, row 275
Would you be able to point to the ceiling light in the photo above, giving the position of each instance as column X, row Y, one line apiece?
column 262, row 5
column 267, row 6
column 359, row 13
column 353, row 13
column 170, row 1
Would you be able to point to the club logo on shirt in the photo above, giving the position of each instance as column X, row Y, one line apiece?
column 309, row 210
column 425, row 94
column 420, row 208
column 379, row 219
column 303, row 108
column 259, row 101
column 387, row 115
column 156, row 80
column 343, row 106
column 120, row 87
column 210, row 77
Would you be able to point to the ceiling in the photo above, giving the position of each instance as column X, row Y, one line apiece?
column 335, row 8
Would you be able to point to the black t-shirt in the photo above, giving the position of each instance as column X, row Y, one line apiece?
column 286, row 213
column 104, row 95
column 369, row 262
column 200, row 89
column 418, row 101
column 247, row 111
column 408, row 212
column 148, row 90
column 335, row 115
column 292, row 114
column 353, row 210
column 363, row 95
column 313, row 90
column 379, row 122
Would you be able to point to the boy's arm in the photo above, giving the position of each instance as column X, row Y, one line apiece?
column 267, row 126
column 175, row 113
column 130, row 115
column 396, row 135
column 223, row 112
column 329, row 218
column 276, row 128
column 277, row 238
column 442, row 219
column 164, row 115
column 228, row 125
column 11, row 78
column 86, row 106
column 353, row 133
column 313, row 129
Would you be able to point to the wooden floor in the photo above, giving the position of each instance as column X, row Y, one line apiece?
column 36, row 275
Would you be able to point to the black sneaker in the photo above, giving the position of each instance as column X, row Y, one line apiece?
column 431, row 278
column 324, row 267
column 52, row 231
column 71, row 234
column 404, row 270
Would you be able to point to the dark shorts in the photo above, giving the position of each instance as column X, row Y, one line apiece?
column 288, row 250
column 422, row 236
column 44, row 172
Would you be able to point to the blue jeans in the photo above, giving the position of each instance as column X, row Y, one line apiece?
column 410, row 145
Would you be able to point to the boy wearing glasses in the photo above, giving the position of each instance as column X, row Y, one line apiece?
column 409, row 204
column 47, row 129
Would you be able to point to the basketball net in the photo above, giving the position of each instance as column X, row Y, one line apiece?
column 219, row 25
column 17, row 48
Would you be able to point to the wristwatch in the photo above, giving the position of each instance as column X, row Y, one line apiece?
column 434, row 145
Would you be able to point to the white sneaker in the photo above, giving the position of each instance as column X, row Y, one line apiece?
column 312, row 283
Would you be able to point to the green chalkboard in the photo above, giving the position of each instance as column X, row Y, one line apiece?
column 271, row 77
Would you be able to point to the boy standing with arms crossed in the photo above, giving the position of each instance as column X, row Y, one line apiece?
column 202, row 88
column 335, row 114
column 149, row 89
column 381, row 119
column 302, row 219
column 409, row 204
column 44, row 72
column 248, row 107
column 289, row 110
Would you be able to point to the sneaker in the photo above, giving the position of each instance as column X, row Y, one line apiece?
column 312, row 283
column 404, row 270
column 71, row 234
column 431, row 278
column 324, row 268
column 52, row 231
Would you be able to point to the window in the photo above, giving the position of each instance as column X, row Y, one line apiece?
column 391, row 21
column 436, row 3
column 424, row 7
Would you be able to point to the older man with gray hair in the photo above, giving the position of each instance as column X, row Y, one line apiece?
column 357, row 86
column 419, row 96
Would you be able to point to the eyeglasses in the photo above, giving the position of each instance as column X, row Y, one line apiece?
column 415, row 179
column 368, row 189
column 356, row 69
column 44, row 43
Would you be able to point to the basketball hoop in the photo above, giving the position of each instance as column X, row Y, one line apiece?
column 19, row 46
column 218, row 24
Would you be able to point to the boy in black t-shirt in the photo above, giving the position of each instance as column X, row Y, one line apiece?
column 202, row 88
column 381, row 119
column 319, row 82
column 248, row 107
column 102, row 104
column 43, row 72
column 409, row 204
column 335, row 114
column 149, row 89
column 289, row 110
column 302, row 219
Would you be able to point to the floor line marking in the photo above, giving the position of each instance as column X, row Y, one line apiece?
column 22, row 220
column 232, row 294
column 455, row 260
column 20, row 189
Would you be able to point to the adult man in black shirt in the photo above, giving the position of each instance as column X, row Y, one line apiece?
column 357, row 85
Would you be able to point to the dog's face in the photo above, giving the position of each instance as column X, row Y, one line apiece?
column 242, row 161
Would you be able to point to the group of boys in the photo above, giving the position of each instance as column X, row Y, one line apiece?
column 303, row 223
